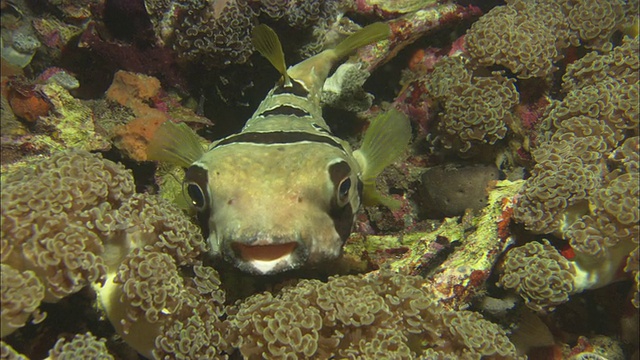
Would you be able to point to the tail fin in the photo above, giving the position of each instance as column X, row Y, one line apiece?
column 367, row 35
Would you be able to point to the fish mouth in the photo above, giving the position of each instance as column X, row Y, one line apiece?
column 266, row 259
column 264, row 253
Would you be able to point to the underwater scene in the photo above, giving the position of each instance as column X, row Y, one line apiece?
column 339, row 179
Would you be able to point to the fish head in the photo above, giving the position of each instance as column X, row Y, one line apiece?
column 278, row 207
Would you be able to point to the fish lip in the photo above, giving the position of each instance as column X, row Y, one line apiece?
column 263, row 252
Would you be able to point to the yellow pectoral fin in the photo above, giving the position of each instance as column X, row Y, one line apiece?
column 385, row 140
column 371, row 196
column 175, row 144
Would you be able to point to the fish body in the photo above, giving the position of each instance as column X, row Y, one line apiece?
column 283, row 193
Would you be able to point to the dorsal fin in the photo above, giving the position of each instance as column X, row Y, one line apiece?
column 266, row 41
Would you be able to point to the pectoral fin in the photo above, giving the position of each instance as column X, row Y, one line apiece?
column 384, row 141
column 175, row 144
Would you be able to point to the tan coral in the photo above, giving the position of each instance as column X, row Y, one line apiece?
column 82, row 346
column 9, row 353
column 510, row 35
column 598, row 114
column 542, row 277
column 362, row 317
column 152, row 305
column 53, row 218
column 475, row 110
column 22, row 293
column 595, row 21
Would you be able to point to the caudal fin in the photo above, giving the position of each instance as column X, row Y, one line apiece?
column 365, row 36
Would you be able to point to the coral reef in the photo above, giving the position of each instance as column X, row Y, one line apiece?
column 82, row 346
column 475, row 109
column 99, row 260
column 579, row 190
column 381, row 314
column 136, row 91
column 218, row 33
column 509, row 35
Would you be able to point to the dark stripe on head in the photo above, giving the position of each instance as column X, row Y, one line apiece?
column 196, row 187
column 278, row 137
column 340, row 210
column 338, row 172
column 342, row 219
column 197, row 175
column 296, row 89
column 285, row 110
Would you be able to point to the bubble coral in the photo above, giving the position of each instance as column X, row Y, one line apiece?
column 362, row 317
column 82, row 346
column 475, row 109
column 510, row 35
column 55, row 213
column 218, row 33
column 584, row 186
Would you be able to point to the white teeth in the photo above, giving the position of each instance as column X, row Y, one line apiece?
column 267, row 266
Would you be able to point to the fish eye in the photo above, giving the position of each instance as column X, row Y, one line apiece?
column 197, row 196
column 339, row 174
column 195, row 187
column 343, row 189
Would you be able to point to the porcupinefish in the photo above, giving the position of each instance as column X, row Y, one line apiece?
column 283, row 193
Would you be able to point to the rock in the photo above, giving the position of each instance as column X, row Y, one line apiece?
column 448, row 190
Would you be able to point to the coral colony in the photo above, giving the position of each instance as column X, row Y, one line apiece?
column 510, row 223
